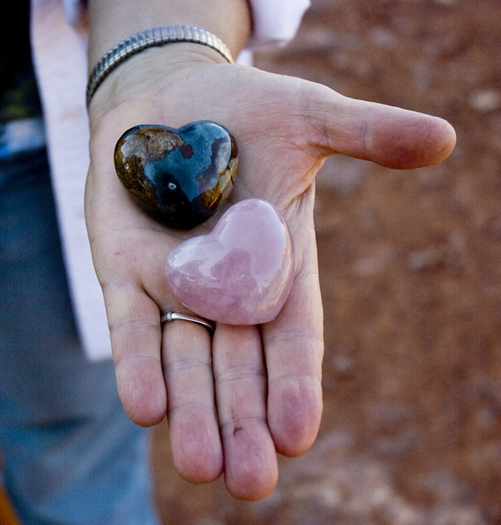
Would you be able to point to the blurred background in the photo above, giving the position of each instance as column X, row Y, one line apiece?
column 410, row 266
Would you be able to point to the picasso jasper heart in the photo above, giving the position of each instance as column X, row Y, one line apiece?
column 179, row 176
column 239, row 273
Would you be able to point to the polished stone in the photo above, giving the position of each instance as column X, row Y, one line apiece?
column 241, row 272
column 182, row 176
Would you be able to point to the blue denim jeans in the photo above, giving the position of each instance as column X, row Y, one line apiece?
column 70, row 454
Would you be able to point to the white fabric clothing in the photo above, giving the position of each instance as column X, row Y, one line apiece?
column 60, row 58
column 275, row 22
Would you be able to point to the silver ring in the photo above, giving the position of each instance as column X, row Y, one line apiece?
column 173, row 316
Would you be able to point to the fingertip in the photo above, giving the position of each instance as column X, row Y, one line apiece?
column 389, row 136
column 200, row 470
column 448, row 138
column 252, row 490
column 141, row 390
column 401, row 139
column 295, row 412
column 251, row 467
column 252, row 482
column 196, row 445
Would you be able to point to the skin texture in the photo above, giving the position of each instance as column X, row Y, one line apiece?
column 234, row 402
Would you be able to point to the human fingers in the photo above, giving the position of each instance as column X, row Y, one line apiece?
column 250, row 463
column 293, row 345
column 194, row 434
column 133, row 315
column 134, row 324
column 294, row 350
column 389, row 136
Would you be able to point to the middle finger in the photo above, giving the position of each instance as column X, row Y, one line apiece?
column 250, row 462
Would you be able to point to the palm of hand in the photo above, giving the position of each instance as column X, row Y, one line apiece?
column 261, row 392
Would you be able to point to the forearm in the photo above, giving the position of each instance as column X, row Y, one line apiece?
column 113, row 20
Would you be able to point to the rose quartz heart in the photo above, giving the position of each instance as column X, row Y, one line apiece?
column 239, row 273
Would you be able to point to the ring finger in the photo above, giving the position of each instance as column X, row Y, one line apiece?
column 194, row 432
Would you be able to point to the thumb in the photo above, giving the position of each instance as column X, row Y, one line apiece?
column 389, row 136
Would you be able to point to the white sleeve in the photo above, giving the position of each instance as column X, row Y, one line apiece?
column 275, row 22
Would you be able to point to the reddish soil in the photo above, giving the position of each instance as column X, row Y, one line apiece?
column 411, row 278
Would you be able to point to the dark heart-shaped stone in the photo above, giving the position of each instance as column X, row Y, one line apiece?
column 182, row 176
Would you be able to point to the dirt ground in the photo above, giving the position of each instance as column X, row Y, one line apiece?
column 411, row 278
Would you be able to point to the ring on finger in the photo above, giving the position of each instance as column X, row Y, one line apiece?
column 174, row 316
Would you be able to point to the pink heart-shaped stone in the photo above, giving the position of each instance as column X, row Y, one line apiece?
column 241, row 272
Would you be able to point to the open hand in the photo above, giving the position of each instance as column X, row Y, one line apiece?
column 234, row 401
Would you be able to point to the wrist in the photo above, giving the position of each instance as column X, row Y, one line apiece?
column 112, row 21
column 145, row 78
column 156, row 37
